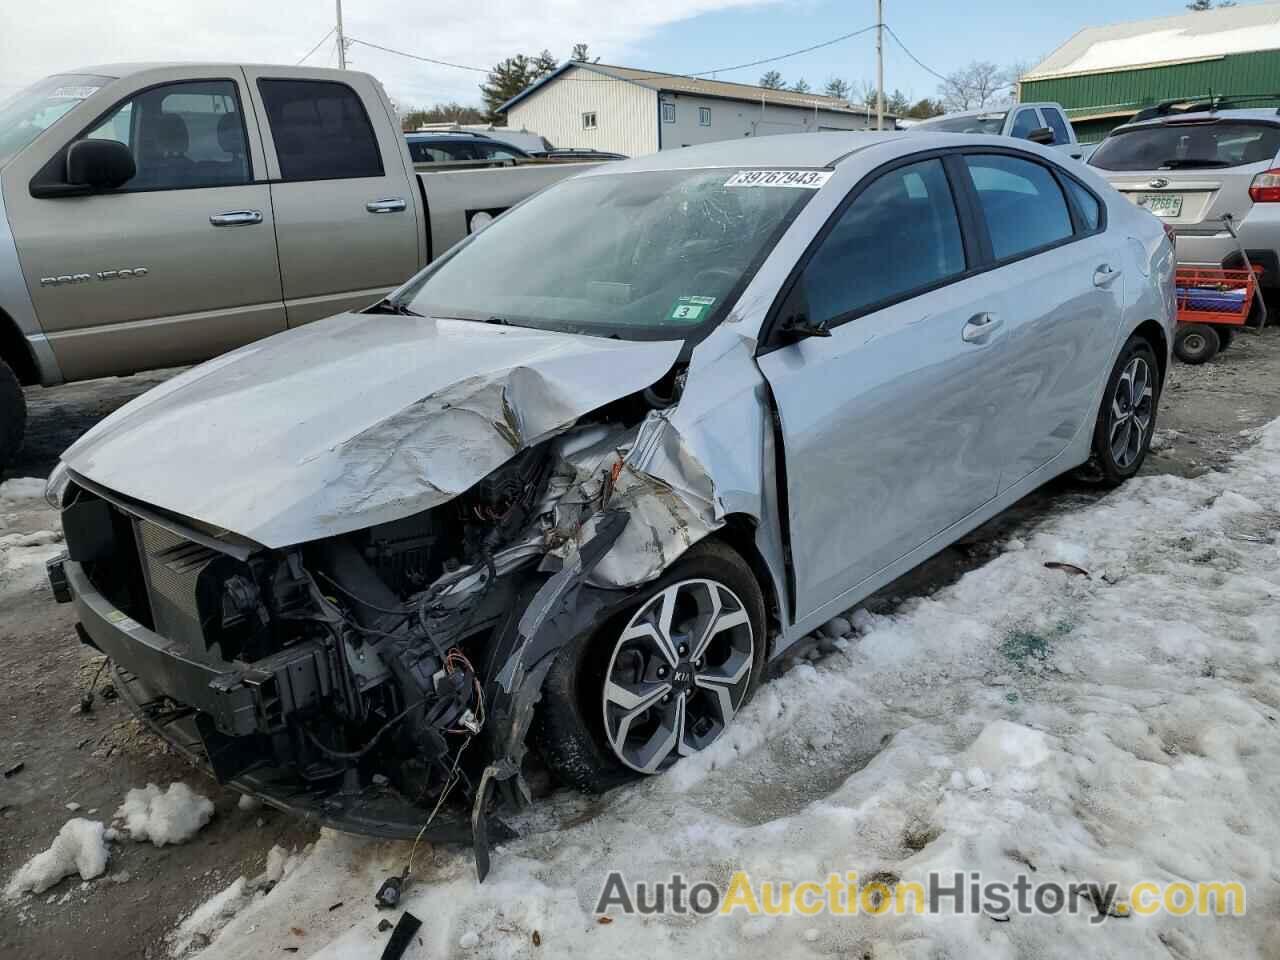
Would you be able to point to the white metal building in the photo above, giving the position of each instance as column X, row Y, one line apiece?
column 636, row 112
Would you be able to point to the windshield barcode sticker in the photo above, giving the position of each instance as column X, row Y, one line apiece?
column 804, row 179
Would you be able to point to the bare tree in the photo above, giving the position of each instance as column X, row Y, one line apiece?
column 981, row 84
column 580, row 53
column 800, row 86
column 1199, row 5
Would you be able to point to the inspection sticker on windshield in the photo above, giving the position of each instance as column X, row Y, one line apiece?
column 691, row 309
column 804, row 179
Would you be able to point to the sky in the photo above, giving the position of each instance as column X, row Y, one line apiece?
column 680, row 36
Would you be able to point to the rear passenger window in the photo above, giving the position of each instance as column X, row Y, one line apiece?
column 320, row 129
column 900, row 235
column 1024, row 123
column 1086, row 203
column 1023, row 206
column 1053, row 119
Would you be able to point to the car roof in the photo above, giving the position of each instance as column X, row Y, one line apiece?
column 821, row 149
column 1269, row 114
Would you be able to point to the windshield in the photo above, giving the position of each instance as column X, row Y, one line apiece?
column 983, row 123
column 638, row 256
column 30, row 112
column 1182, row 146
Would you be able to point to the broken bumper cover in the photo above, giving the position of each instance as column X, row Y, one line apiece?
column 231, row 699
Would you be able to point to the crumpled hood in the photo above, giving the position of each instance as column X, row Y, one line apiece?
column 353, row 421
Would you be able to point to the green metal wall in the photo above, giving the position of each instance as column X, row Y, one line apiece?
column 1130, row 90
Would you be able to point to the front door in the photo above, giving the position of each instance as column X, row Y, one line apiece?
column 345, row 200
column 177, row 265
column 888, row 425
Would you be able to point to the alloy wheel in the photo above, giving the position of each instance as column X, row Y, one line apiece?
column 1132, row 404
column 680, row 670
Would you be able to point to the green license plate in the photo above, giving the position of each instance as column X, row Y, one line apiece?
column 1161, row 204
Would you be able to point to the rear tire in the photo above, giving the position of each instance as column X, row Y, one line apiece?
column 13, row 415
column 591, row 675
column 1195, row 343
column 1127, row 418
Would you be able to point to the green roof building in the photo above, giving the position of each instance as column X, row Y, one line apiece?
column 1104, row 75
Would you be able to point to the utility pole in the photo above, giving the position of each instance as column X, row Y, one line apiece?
column 342, row 41
column 879, row 59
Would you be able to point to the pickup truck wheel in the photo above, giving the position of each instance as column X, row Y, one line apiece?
column 661, row 680
column 13, row 415
column 1195, row 343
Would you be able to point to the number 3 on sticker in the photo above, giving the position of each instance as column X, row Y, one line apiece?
column 691, row 309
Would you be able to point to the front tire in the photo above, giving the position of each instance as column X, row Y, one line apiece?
column 1127, row 418
column 1195, row 343
column 13, row 415
column 661, row 679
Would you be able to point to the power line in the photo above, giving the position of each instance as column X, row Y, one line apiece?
column 317, row 46
column 919, row 64
column 639, row 76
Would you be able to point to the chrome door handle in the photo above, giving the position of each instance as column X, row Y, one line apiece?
column 236, row 218
column 385, row 205
column 1104, row 275
column 979, row 327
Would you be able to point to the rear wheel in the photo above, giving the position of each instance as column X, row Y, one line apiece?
column 1127, row 418
column 13, row 415
column 1195, row 343
column 661, row 680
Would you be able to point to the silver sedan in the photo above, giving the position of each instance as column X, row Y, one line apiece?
column 579, row 480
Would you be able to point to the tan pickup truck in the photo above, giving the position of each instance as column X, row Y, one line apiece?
column 153, row 215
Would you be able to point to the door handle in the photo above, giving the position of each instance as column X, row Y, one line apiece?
column 979, row 327
column 1104, row 275
column 385, row 205
column 236, row 218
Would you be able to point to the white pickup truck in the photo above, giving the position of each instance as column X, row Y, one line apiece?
column 153, row 215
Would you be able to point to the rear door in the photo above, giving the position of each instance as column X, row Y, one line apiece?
column 1062, row 279
column 346, row 223
column 889, row 424
column 177, row 265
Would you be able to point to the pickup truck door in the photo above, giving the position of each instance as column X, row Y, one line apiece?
column 348, row 212
column 177, row 265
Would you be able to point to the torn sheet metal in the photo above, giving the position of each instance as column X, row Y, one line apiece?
column 354, row 421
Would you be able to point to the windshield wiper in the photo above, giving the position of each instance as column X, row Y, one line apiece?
column 391, row 306
column 1191, row 162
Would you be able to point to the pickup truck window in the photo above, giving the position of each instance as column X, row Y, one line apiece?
column 182, row 135
column 1056, row 123
column 320, row 129
column 31, row 111
column 985, row 123
column 1023, row 123
column 659, row 255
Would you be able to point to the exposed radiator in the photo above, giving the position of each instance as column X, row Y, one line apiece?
column 172, row 567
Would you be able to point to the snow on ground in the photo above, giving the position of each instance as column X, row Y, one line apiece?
column 1115, row 726
column 79, row 848
column 23, row 555
column 172, row 816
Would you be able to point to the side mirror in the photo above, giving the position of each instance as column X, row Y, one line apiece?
column 1042, row 135
column 99, row 164
column 798, row 327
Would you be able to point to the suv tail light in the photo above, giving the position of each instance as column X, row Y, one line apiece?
column 1266, row 187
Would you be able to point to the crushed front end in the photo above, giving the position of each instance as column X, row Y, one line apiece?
column 381, row 681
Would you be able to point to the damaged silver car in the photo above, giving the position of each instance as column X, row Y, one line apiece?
column 566, row 492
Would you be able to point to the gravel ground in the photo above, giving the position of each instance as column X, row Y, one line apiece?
column 93, row 759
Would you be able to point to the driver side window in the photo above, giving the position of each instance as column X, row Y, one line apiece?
column 182, row 135
column 898, row 237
